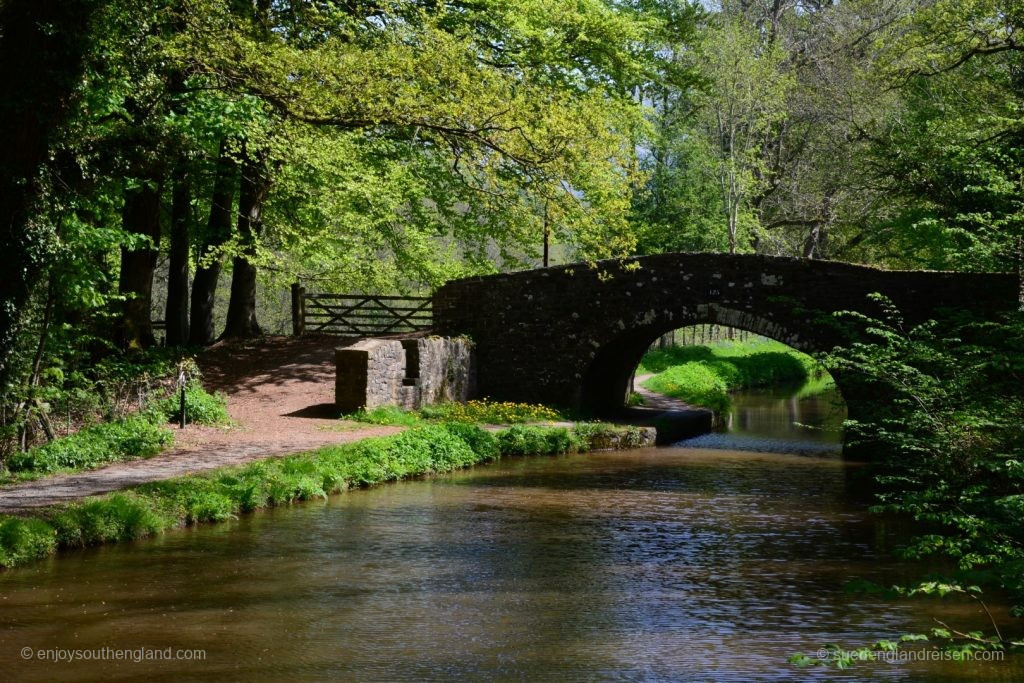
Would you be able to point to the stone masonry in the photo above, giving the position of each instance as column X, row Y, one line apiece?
column 406, row 373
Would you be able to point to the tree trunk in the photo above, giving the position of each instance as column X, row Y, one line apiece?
column 177, row 280
column 141, row 216
column 42, row 43
column 811, row 242
column 204, row 286
column 1020, row 273
column 253, row 189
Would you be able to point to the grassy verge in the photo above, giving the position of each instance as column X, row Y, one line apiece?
column 227, row 492
column 141, row 435
column 472, row 412
column 704, row 375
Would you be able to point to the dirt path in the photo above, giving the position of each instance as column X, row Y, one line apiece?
column 280, row 396
column 656, row 400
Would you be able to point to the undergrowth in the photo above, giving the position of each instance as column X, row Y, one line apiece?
column 490, row 412
column 133, row 437
column 201, row 407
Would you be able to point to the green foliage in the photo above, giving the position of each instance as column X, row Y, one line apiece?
column 138, row 435
column 395, row 125
column 529, row 440
column 946, row 432
column 704, row 375
column 483, row 442
column 384, row 415
column 133, row 437
column 117, row 517
column 201, row 407
column 24, row 540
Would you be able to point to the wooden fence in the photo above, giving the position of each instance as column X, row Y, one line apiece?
column 358, row 315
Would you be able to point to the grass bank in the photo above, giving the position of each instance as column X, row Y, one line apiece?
column 704, row 375
column 225, row 493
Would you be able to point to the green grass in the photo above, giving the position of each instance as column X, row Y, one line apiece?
column 227, row 492
column 384, row 415
column 704, row 375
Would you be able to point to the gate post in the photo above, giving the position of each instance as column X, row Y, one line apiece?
column 298, row 309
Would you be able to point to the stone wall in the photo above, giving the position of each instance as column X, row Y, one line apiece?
column 407, row 373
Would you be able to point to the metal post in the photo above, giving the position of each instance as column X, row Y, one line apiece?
column 296, row 321
column 181, row 401
column 547, row 234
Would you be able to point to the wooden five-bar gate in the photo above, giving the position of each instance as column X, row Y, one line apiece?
column 358, row 315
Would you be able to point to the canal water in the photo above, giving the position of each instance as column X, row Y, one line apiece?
column 780, row 420
column 681, row 563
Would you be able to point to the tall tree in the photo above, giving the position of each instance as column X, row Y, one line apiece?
column 176, row 314
column 745, row 101
column 432, row 132
column 953, row 158
column 141, row 220
column 254, row 186
column 218, row 231
column 42, row 45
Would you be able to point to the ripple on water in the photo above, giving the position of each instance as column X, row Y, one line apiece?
column 747, row 442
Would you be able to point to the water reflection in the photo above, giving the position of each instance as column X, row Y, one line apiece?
column 780, row 420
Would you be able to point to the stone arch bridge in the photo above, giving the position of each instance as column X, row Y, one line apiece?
column 572, row 335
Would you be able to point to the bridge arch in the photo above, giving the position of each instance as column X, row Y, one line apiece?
column 565, row 336
column 605, row 381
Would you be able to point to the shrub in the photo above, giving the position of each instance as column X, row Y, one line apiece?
column 526, row 440
column 133, row 437
column 483, row 442
column 201, row 407
column 430, row 448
